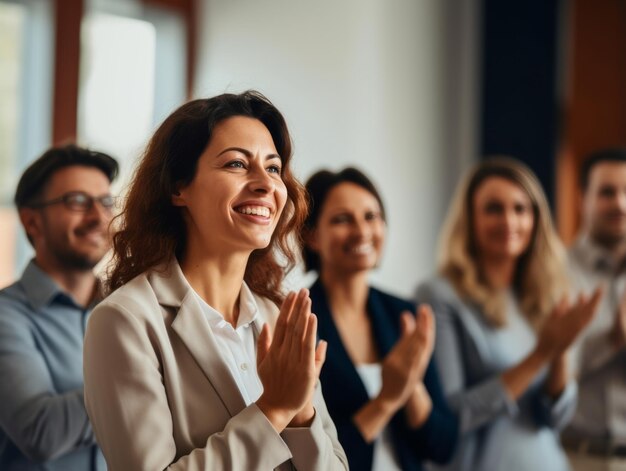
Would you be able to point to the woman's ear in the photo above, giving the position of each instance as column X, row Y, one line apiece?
column 177, row 197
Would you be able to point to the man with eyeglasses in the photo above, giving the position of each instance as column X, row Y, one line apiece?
column 65, row 206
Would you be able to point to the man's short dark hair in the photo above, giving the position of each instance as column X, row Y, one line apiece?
column 38, row 174
column 615, row 155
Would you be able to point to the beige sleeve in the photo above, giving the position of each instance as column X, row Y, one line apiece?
column 316, row 448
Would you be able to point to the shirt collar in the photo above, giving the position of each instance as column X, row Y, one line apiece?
column 39, row 287
column 596, row 257
column 41, row 290
column 248, row 309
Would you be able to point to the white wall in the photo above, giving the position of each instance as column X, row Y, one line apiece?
column 361, row 82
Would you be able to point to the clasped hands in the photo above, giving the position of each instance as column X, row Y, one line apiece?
column 403, row 372
column 289, row 364
column 404, row 367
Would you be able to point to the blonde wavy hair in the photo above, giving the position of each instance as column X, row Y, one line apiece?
column 540, row 276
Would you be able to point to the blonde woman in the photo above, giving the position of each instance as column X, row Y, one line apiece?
column 503, row 324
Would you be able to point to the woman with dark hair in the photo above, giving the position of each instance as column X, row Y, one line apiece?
column 181, row 371
column 382, row 390
column 503, row 324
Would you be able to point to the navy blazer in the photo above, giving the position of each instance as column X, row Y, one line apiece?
column 345, row 393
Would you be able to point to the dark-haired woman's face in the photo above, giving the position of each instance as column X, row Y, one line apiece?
column 350, row 231
column 503, row 219
column 237, row 196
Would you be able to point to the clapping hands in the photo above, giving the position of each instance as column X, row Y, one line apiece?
column 565, row 323
column 404, row 366
column 289, row 364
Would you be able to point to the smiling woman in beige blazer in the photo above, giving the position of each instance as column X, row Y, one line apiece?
column 181, row 370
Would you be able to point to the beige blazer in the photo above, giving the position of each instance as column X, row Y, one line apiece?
column 160, row 396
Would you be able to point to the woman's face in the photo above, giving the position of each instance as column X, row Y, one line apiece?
column 503, row 219
column 350, row 231
column 237, row 195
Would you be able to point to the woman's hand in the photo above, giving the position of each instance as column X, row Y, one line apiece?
column 565, row 323
column 419, row 406
column 404, row 366
column 402, row 372
column 289, row 364
column 559, row 331
column 305, row 416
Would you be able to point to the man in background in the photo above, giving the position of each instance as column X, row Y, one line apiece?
column 596, row 438
column 65, row 206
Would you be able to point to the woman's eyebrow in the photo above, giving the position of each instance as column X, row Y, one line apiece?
column 247, row 153
column 241, row 150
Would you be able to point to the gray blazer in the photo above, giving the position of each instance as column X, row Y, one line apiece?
column 160, row 396
column 497, row 433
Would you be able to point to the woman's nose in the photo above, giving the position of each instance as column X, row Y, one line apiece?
column 361, row 228
column 261, row 181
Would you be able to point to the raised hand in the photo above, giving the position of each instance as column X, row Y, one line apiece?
column 289, row 364
column 402, row 372
column 419, row 404
column 404, row 366
column 304, row 417
column 565, row 323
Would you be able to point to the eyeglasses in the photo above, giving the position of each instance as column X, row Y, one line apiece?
column 79, row 201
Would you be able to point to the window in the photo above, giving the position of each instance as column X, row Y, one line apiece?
column 116, row 97
column 133, row 73
column 25, row 109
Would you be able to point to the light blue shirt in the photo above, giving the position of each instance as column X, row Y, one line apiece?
column 43, row 422
column 497, row 433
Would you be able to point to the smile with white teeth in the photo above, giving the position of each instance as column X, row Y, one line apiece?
column 362, row 249
column 254, row 210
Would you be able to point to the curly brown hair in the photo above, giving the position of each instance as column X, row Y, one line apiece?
column 152, row 230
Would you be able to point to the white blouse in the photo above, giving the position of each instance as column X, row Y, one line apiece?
column 237, row 345
column 385, row 458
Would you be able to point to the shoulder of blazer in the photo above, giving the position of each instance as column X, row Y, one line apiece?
column 135, row 298
column 439, row 291
column 467, row 316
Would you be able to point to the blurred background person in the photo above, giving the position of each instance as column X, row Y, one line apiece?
column 596, row 437
column 380, row 385
column 502, row 337
column 181, row 371
column 65, row 206
column 107, row 72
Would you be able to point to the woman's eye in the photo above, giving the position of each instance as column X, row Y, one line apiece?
column 493, row 208
column 521, row 208
column 371, row 216
column 274, row 169
column 236, row 164
column 340, row 219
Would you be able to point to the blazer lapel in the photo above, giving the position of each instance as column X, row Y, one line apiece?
column 385, row 333
column 327, row 330
column 172, row 289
